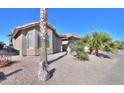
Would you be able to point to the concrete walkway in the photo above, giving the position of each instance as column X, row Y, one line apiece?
column 67, row 70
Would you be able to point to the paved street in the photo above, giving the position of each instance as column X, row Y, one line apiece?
column 67, row 70
column 116, row 76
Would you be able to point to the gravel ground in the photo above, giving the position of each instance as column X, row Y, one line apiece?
column 66, row 70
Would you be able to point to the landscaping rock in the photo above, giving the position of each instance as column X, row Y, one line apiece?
column 43, row 71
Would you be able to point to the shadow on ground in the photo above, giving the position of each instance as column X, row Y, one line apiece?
column 104, row 55
column 4, row 76
column 49, row 62
column 52, row 72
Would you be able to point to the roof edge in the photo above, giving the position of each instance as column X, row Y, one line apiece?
column 29, row 25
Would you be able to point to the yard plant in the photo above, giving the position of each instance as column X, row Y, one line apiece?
column 78, row 47
column 99, row 41
column 95, row 42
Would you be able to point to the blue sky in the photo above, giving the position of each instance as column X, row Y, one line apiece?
column 73, row 20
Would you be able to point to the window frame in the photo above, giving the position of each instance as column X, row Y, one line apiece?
column 29, row 38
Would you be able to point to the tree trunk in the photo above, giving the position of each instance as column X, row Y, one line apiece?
column 43, row 66
column 97, row 52
column 91, row 50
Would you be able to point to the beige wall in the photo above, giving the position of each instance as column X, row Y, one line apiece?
column 57, row 43
column 17, row 43
column 24, row 43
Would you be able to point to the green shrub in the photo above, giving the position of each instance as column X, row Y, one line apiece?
column 78, row 47
column 83, row 56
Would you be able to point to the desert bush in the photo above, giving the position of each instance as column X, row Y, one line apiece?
column 78, row 47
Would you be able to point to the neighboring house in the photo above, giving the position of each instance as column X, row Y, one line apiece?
column 27, row 39
column 68, row 40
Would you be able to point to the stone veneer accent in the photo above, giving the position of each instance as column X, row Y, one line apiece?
column 36, row 52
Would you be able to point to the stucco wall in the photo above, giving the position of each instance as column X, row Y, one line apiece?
column 57, row 43
column 17, row 43
column 24, row 43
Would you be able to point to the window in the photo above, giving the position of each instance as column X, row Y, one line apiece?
column 30, row 39
column 48, row 41
column 39, row 41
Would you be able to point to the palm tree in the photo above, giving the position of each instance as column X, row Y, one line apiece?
column 107, row 43
column 43, row 68
column 96, row 42
column 99, row 41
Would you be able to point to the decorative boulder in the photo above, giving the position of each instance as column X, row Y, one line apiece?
column 43, row 74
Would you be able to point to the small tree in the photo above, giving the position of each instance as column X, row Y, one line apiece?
column 1, row 45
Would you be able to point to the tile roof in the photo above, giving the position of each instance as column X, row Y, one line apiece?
column 67, row 36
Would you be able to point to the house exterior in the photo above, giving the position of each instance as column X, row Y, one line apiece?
column 68, row 40
column 27, row 39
